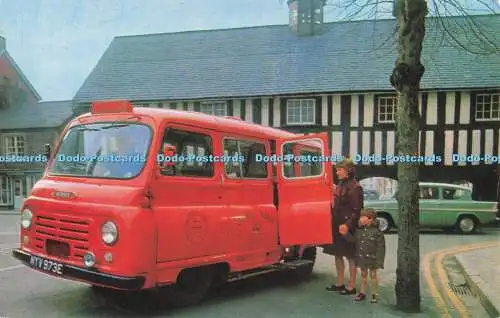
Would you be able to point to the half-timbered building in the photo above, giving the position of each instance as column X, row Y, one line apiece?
column 312, row 76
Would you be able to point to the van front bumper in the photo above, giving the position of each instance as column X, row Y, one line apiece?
column 81, row 274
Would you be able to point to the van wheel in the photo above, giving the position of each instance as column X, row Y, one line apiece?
column 305, row 272
column 191, row 287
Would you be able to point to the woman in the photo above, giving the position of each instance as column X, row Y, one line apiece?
column 347, row 204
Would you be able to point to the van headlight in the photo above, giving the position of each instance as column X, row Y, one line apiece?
column 26, row 219
column 109, row 233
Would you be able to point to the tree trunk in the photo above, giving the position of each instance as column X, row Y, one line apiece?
column 406, row 76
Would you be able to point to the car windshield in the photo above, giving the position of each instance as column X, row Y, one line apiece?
column 104, row 150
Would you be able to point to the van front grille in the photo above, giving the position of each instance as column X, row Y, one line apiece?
column 73, row 230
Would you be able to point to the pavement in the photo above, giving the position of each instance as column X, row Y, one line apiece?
column 481, row 269
column 26, row 293
column 8, row 212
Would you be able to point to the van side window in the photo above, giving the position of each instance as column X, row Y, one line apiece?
column 302, row 159
column 191, row 150
column 252, row 166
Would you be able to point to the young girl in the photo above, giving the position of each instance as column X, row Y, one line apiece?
column 370, row 251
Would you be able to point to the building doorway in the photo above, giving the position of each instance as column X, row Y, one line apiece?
column 18, row 192
column 5, row 191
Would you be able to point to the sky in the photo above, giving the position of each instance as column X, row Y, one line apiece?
column 56, row 43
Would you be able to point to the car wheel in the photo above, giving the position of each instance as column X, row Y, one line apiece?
column 384, row 223
column 466, row 224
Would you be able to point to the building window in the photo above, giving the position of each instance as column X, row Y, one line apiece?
column 301, row 112
column 387, row 108
column 214, row 108
column 487, row 107
column 15, row 145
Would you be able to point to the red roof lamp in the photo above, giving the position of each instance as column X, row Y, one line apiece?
column 111, row 106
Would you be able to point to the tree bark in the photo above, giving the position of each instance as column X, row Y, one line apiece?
column 406, row 76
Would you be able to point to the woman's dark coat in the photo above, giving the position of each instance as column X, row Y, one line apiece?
column 347, row 204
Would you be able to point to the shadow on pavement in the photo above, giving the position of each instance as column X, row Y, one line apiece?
column 149, row 304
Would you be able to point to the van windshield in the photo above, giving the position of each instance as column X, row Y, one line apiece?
column 104, row 150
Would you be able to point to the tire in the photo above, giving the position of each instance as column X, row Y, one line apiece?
column 466, row 224
column 305, row 272
column 385, row 223
column 191, row 287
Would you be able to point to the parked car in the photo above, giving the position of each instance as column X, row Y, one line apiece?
column 369, row 195
column 442, row 206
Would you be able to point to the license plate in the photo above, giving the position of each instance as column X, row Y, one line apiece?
column 46, row 265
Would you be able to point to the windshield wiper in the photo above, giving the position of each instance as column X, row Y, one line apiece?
column 71, row 167
column 90, row 168
column 121, row 124
column 88, row 129
column 114, row 125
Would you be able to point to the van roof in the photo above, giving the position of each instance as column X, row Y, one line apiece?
column 228, row 124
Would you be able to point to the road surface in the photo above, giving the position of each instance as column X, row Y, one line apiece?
column 27, row 293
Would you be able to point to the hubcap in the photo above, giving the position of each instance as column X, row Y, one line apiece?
column 383, row 224
column 466, row 225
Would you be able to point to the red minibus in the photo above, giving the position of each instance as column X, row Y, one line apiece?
column 141, row 198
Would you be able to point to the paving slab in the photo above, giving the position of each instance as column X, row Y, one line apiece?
column 482, row 271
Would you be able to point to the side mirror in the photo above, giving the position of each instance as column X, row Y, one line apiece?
column 47, row 151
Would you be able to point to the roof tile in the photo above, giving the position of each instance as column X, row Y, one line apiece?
column 269, row 60
column 50, row 114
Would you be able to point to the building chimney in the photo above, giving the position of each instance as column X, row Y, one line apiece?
column 2, row 44
column 306, row 16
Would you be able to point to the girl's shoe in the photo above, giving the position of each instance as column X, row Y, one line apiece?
column 348, row 292
column 360, row 297
column 335, row 288
column 374, row 299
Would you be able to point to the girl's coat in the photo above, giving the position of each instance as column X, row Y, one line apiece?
column 370, row 246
